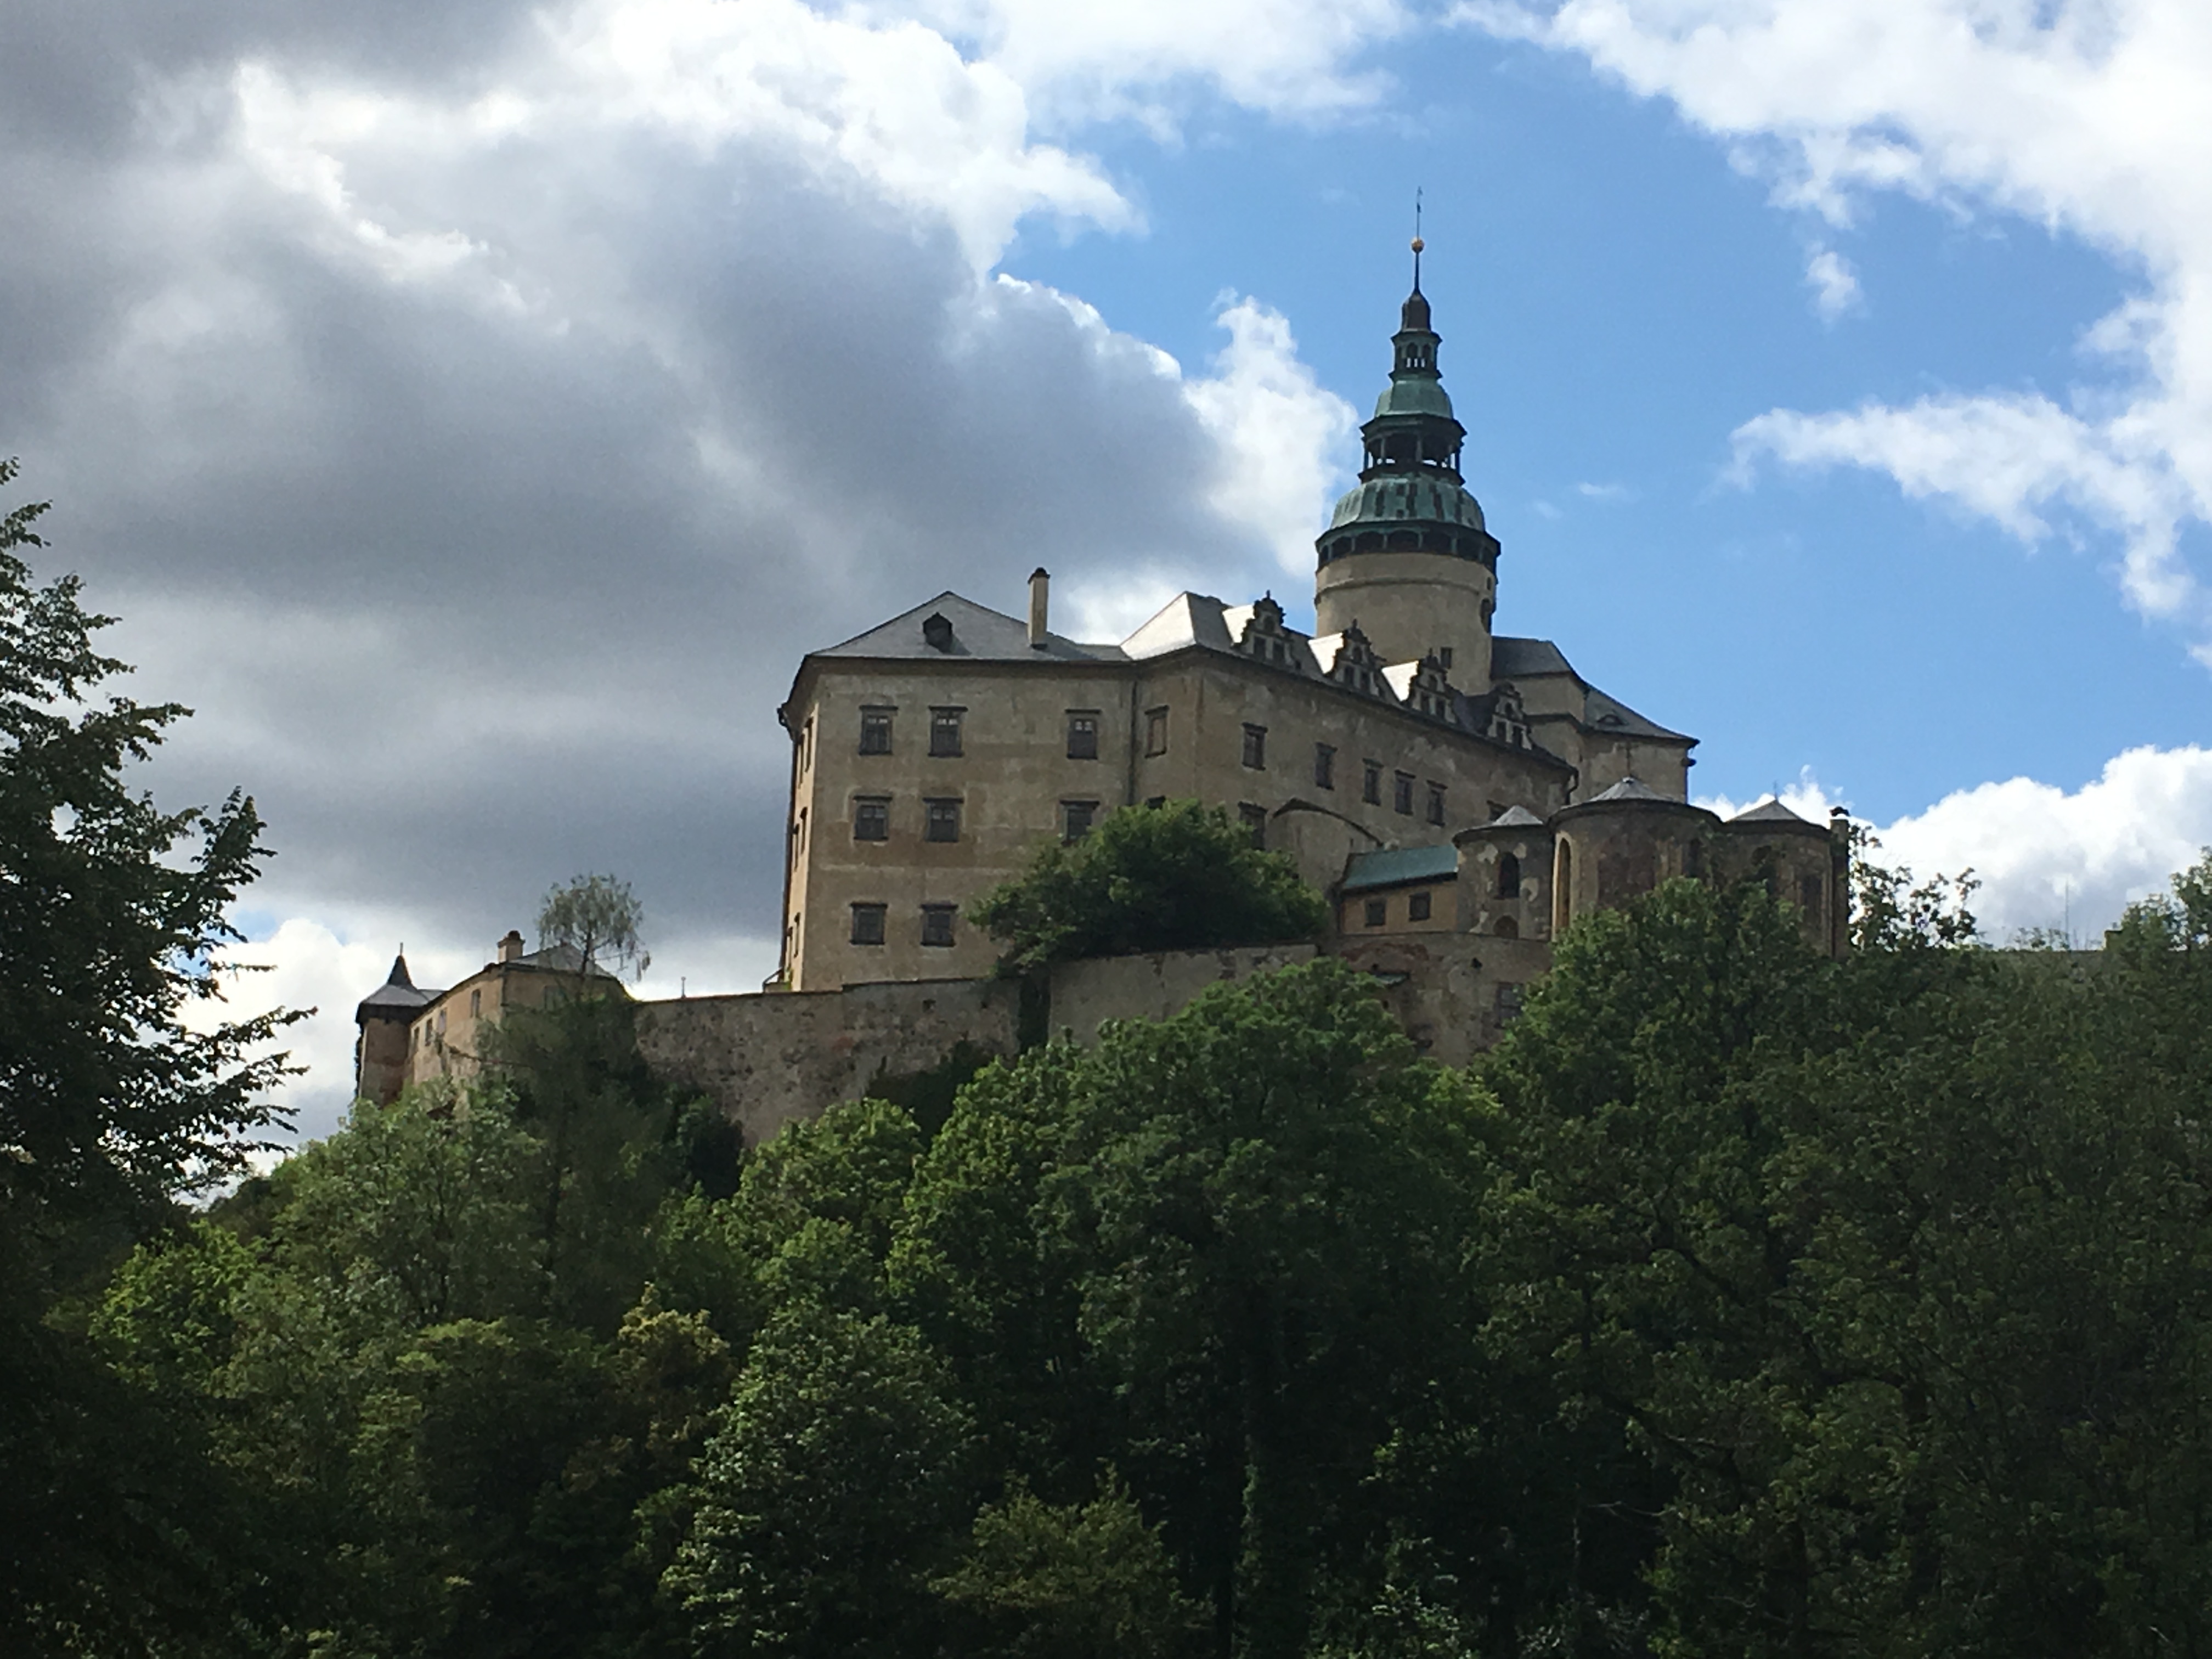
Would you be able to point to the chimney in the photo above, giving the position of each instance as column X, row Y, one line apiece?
column 511, row 946
column 1040, row 597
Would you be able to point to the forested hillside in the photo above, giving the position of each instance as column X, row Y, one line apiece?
column 1741, row 1302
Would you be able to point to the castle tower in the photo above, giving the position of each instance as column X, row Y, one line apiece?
column 1405, row 554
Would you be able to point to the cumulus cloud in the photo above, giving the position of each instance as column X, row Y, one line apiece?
column 2083, row 115
column 2046, row 857
column 473, row 415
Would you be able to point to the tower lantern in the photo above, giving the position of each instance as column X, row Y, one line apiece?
column 1406, row 553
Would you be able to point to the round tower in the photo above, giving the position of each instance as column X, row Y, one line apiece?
column 1405, row 554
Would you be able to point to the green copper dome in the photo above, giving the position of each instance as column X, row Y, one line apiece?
column 1410, row 498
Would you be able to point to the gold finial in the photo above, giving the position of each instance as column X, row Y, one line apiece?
column 1417, row 243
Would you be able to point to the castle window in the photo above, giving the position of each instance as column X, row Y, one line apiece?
column 1255, row 747
column 876, row 730
column 1083, row 734
column 476, row 1003
column 1417, row 907
column 1370, row 783
column 1402, row 793
column 1693, row 860
column 937, row 924
column 1378, row 912
column 944, row 730
column 1509, row 877
column 1436, row 803
column 1255, row 819
column 1324, row 766
column 941, row 820
column 1809, row 894
column 1508, row 1004
column 1507, row 929
column 868, row 923
column 1075, row 818
column 1155, row 731
column 872, row 818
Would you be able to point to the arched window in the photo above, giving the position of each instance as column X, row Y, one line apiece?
column 1509, row 877
column 1507, row 929
column 1563, row 886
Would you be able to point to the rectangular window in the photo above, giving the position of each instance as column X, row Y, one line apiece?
column 1401, row 796
column 937, row 924
column 1083, row 734
column 868, row 923
column 476, row 1003
column 1378, row 912
column 1324, row 766
column 872, row 818
column 876, row 730
column 1075, row 818
column 1256, row 746
column 942, row 819
column 944, row 730
column 1436, row 803
column 1255, row 819
column 1417, row 907
column 1155, row 731
column 1370, row 783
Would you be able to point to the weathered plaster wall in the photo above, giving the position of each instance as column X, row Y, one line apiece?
column 768, row 1058
column 1084, row 994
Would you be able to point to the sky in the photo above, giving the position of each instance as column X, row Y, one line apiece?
column 473, row 413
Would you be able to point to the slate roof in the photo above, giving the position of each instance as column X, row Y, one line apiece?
column 399, row 990
column 1772, row 812
column 1396, row 866
column 1513, row 659
column 1632, row 789
column 977, row 632
column 1515, row 818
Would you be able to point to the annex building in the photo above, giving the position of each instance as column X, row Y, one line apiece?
column 1431, row 776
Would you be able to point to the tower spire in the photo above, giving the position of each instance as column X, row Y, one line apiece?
column 1418, row 243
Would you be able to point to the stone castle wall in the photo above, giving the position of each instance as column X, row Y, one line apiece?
column 768, row 1058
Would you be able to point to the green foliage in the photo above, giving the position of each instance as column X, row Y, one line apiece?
column 840, row 1464
column 1181, row 877
column 1087, row 1581
column 113, row 917
column 600, row 919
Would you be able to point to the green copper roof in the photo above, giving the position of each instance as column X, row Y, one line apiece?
column 1413, row 394
column 1415, row 497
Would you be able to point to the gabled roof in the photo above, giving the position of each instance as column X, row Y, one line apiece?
column 1772, row 812
column 1516, row 817
column 978, row 634
column 1396, row 866
column 1514, row 659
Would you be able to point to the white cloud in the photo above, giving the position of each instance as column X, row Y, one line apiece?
column 2046, row 857
column 1278, row 430
column 1835, row 286
column 1605, row 492
column 2086, row 116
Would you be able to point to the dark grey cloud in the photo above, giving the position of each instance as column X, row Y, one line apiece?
column 482, row 575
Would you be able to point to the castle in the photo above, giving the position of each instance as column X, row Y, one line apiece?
column 1459, row 795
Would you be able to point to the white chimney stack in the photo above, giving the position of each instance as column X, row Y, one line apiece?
column 1040, row 598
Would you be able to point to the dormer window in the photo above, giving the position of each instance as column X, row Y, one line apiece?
column 937, row 631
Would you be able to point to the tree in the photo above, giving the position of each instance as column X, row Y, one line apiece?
column 113, row 917
column 1181, row 877
column 598, row 917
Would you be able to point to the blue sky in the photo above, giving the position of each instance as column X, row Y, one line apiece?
column 474, row 413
